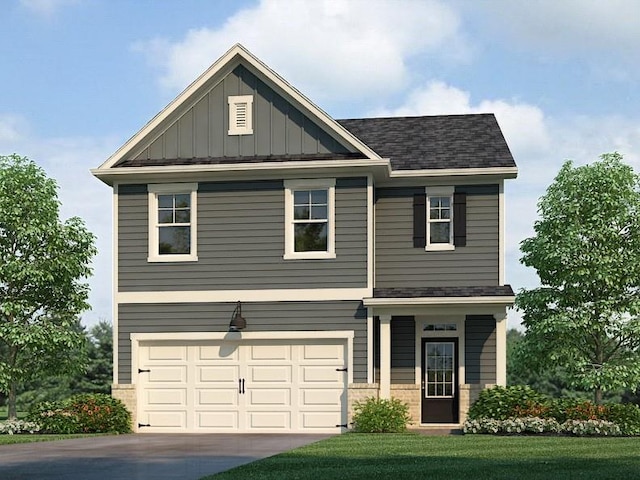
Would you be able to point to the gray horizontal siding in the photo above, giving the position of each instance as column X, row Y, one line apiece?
column 261, row 317
column 241, row 242
column 480, row 349
column 400, row 264
column 200, row 130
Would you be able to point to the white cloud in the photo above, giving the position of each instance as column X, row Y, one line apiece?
column 68, row 161
column 47, row 8
column 349, row 48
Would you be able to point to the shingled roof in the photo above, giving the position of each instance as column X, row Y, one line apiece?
column 435, row 142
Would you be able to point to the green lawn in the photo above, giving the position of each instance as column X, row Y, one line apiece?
column 28, row 438
column 471, row 457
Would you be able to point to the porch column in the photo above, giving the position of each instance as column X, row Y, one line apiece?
column 385, row 356
column 501, row 348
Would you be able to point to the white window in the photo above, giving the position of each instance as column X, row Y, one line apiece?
column 241, row 115
column 440, row 218
column 172, row 222
column 309, row 219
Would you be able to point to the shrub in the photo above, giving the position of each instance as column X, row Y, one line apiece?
column 583, row 428
column 527, row 425
column 626, row 416
column 501, row 403
column 379, row 415
column 83, row 413
column 11, row 427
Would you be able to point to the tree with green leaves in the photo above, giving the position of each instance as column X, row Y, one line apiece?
column 586, row 252
column 43, row 263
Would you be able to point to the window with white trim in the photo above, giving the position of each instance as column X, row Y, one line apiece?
column 172, row 222
column 440, row 218
column 240, row 114
column 309, row 219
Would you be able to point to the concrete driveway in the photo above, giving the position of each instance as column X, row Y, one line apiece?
column 142, row 456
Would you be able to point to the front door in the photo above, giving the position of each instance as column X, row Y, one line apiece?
column 440, row 380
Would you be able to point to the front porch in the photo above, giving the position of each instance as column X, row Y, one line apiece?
column 435, row 349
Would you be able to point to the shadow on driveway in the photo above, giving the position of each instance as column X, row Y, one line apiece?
column 142, row 456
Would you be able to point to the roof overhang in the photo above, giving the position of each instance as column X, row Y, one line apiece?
column 481, row 305
column 380, row 168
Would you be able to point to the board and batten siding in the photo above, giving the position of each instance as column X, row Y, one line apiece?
column 480, row 349
column 400, row 264
column 240, row 241
column 200, row 129
column 261, row 317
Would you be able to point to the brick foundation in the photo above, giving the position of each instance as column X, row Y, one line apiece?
column 127, row 394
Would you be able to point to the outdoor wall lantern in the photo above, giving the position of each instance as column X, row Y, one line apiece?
column 237, row 320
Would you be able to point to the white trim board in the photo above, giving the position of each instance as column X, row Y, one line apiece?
column 441, row 301
column 275, row 295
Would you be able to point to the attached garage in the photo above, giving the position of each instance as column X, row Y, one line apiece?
column 242, row 382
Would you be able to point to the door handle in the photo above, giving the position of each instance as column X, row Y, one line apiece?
column 243, row 386
column 240, row 386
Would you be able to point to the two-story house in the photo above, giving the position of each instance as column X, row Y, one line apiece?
column 273, row 265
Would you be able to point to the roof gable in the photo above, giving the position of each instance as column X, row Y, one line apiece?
column 193, row 129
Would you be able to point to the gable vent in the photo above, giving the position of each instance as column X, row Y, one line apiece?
column 240, row 115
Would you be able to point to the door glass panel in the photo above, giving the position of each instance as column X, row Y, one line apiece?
column 439, row 372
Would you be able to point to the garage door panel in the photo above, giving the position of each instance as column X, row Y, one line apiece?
column 320, row 420
column 321, row 397
column 323, row 352
column 219, row 396
column 168, row 419
column 167, row 352
column 218, row 374
column 167, row 374
column 269, row 420
column 270, row 374
column 218, row 420
column 271, row 396
column 270, row 352
column 218, row 353
column 321, row 374
column 166, row 396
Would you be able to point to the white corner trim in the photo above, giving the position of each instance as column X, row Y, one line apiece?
column 114, row 302
column 441, row 301
column 501, row 234
column 371, row 233
column 275, row 295
column 370, row 366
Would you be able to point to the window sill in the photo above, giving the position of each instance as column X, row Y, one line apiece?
column 445, row 247
column 309, row 256
column 172, row 258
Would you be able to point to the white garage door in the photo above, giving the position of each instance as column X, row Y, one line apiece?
column 262, row 386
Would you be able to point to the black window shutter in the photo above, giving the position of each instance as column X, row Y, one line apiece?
column 420, row 220
column 460, row 219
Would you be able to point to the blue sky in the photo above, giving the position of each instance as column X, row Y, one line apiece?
column 79, row 77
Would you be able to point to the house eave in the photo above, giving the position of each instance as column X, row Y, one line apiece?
column 502, row 172
column 504, row 301
column 380, row 168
